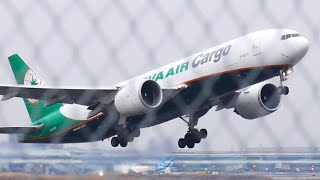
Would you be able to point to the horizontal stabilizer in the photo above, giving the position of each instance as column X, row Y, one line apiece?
column 20, row 130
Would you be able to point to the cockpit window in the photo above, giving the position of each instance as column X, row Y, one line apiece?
column 287, row 36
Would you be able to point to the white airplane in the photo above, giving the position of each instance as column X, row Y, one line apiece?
column 230, row 75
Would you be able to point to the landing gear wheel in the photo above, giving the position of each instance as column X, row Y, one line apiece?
column 130, row 138
column 114, row 142
column 136, row 132
column 203, row 133
column 123, row 143
column 196, row 135
column 188, row 137
column 190, row 144
column 197, row 141
column 182, row 143
column 284, row 90
column 123, row 139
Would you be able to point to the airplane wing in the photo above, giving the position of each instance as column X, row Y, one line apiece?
column 20, row 130
column 226, row 101
column 83, row 96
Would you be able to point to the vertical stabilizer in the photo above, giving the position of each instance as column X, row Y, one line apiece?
column 26, row 76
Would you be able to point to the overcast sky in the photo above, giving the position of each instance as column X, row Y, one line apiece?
column 100, row 43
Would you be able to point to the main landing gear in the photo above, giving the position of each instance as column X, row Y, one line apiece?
column 124, row 137
column 193, row 136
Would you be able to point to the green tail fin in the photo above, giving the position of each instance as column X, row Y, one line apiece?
column 26, row 76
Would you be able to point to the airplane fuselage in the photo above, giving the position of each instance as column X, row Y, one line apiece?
column 209, row 74
column 222, row 69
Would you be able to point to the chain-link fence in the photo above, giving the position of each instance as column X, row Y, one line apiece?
column 100, row 43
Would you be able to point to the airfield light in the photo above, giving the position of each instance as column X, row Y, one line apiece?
column 100, row 173
column 298, row 169
column 254, row 166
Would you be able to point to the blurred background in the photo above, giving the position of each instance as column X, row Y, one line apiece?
column 100, row 43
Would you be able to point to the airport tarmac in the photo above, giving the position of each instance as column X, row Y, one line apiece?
column 19, row 176
column 75, row 164
column 129, row 177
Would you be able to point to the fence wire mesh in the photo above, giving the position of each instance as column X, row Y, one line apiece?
column 100, row 43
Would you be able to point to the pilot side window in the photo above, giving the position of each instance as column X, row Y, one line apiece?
column 288, row 36
column 283, row 37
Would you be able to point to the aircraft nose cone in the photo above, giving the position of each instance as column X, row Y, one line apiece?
column 303, row 46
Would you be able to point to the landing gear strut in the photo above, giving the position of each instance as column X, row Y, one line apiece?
column 193, row 136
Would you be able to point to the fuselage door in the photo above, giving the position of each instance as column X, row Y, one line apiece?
column 256, row 47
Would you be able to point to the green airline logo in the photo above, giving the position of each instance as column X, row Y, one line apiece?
column 33, row 82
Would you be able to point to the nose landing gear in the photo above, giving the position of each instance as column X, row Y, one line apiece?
column 284, row 90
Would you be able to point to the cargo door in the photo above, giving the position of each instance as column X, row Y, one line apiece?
column 256, row 47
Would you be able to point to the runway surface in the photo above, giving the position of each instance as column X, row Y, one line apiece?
column 20, row 176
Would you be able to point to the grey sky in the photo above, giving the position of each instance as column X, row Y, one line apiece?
column 100, row 43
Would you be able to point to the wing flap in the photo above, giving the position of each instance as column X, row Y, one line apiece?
column 20, row 130
column 172, row 91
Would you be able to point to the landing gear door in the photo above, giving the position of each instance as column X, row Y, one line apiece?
column 256, row 47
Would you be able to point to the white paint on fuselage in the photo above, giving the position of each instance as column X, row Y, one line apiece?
column 241, row 55
column 273, row 51
column 74, row 112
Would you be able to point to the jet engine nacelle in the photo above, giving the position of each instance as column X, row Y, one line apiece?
column 258, row 100
column 138, row 98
